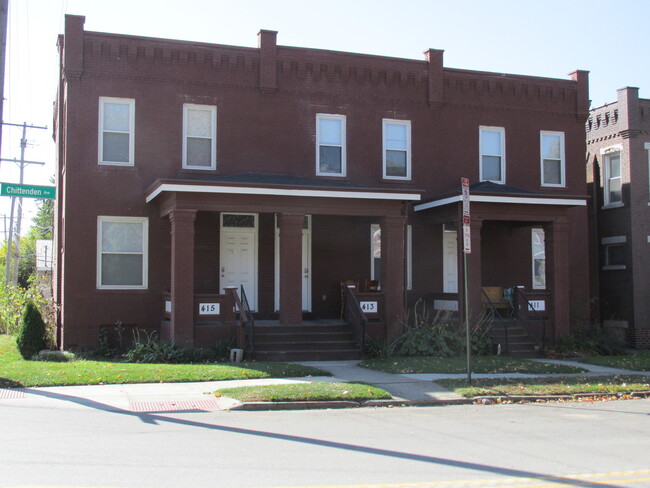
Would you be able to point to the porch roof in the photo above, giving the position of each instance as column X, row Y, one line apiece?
column 281, row 185
column 489, row 192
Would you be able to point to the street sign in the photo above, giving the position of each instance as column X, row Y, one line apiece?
column 28, row 191
column 467, row 237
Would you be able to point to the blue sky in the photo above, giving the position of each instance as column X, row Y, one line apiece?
column 550, row 38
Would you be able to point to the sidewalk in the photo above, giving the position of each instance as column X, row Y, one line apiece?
column 406, row 390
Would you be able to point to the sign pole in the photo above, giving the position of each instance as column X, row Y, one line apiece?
column 467, row 249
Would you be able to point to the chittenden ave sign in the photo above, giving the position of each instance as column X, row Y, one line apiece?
column 28, row 191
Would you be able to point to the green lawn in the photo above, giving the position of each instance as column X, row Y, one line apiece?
column 17, row 372
column 322, row 391
column 568, row 385
column 480, row 364
column 636, row 361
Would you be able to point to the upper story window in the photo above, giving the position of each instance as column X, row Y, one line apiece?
column 612, row 173
column 552, row 158
column 199, row 136
column 122, row 246
column 330, row 145
column 493, row 154
column 397, row 149
column 116, row 131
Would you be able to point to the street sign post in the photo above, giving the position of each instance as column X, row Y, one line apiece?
column 27, row 191
column 467, row 249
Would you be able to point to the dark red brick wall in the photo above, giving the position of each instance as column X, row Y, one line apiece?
column 271, row 129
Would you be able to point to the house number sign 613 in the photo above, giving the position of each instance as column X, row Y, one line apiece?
column 368, row 307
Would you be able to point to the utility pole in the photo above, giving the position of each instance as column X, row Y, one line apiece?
column 4, row 11
column 11, row 273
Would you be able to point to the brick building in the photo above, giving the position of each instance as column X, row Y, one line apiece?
column 187, row 168
column 618, row 145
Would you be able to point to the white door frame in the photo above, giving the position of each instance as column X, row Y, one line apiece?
column 306, row 266
column 225, row 232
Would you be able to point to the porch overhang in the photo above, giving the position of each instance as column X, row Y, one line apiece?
column 487, row 192
column 272, row 185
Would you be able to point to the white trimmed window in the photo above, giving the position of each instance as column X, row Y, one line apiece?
column 613, row 186
column 199, row 136
column 539, row 259
column 375, row 252
column 122, row 252
column 330, row 145
column 397, row 149
column 614, row 250
column 116, row 131
column 552, row 158
column 492, row 148
column 647, row 148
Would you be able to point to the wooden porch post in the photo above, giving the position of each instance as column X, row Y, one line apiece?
column 393, row 270
column 290, row 226
column 556, row 237
column 182, row 279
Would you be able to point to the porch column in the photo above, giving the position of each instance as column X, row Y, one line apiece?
column 393, row 268
column 556, row 237
column 474, row 262
column 182, row 279
column 290, row 226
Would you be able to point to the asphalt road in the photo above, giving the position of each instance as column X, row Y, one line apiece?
column 558, row 444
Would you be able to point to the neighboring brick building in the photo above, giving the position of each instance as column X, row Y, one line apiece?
column 618, row 145
column 186, row 168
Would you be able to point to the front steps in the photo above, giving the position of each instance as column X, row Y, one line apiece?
column 310, row 341
column 519, row 344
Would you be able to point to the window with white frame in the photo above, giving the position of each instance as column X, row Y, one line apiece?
column 199, row 136
column 613, row 185
column 375, row 252
column 330, row 145
column 122, row 252
column 614, row 252
column 492, row 154
column 539, row 259
column 397, row 149
column 552, row 158
column 116, row 131
column 647, row 148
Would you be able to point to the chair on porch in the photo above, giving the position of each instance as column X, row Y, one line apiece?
column 494, row 296
column 347, row 284
column 371, row 285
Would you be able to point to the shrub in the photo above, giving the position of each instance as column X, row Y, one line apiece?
column 56, row 356
column 149, row 348
column 588, row 340
column 32, row 335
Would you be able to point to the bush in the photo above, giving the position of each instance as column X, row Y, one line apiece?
column 56, row 356
column 588, row 340
column 149, row 348
column 32, row 335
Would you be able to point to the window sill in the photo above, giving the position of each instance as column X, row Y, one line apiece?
column 613, row 267
column 613, row 205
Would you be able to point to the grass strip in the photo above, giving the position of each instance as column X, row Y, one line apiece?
column 480, row 364
column 636, row 361
column 18, row 372
column 304, row 392
column 564, row 385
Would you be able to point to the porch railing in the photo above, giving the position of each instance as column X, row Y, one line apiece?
column 520, row 299
column 493, row 312
column 246, row 319
column 355, row 316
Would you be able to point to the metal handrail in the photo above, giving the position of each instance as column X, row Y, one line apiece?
column 495, row 312
column 246, row 316
column 518, row 293
column 355, row 316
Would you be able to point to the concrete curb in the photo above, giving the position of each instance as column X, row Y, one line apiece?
column 324, row 405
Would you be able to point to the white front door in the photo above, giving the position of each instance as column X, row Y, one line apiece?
column 450, row 261
column 238, row 257
column 306, row 266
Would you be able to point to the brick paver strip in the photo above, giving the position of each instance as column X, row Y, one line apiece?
column 174, row 406
column 11, row 393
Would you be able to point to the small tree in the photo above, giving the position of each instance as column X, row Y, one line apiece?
column 32, row 336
